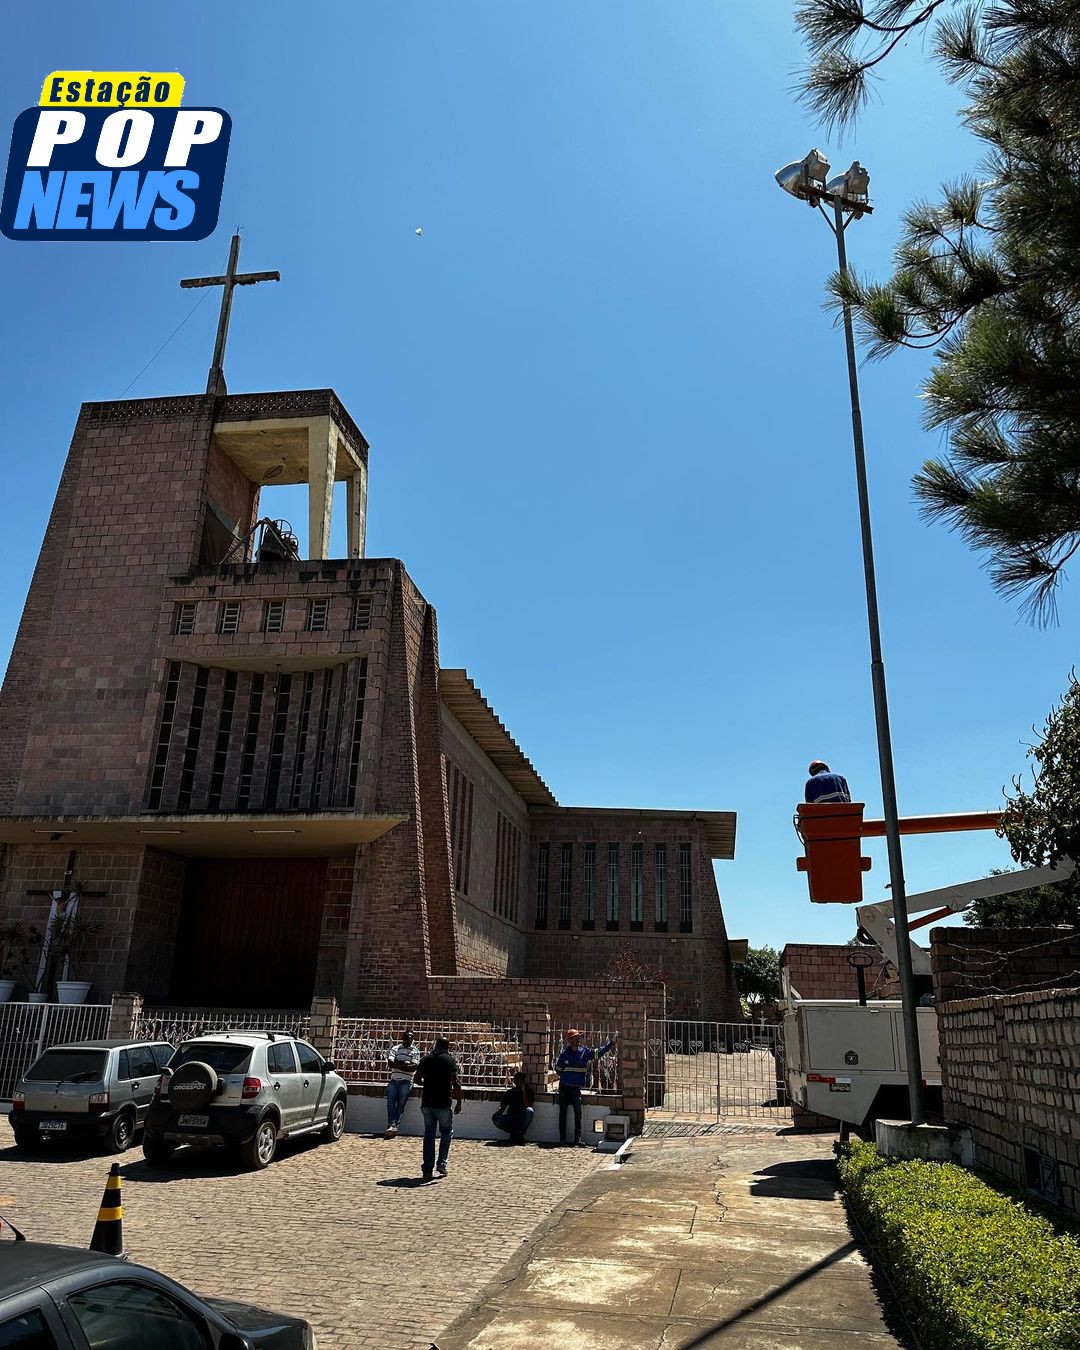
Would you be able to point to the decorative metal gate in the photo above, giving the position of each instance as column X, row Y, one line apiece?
column 716, row 1069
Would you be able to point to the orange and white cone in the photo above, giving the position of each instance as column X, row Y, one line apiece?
column 109, row 1229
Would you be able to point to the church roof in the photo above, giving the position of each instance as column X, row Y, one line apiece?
column 476, row 715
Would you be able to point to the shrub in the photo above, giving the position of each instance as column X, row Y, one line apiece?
column 974, row 1268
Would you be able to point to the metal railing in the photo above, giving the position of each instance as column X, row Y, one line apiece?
column 488, row 1054
column 28, row 1029
column 717, row 1069
column 180, row 1024
column 604, row 1073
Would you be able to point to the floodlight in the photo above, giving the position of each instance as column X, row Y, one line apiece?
column 853, row 186
column 805, row 178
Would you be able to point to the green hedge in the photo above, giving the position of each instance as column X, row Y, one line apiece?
column 975, row 1269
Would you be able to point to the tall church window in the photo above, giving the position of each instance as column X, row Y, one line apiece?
column 460, row 791
column 565, row 880
column 637, row 887
column 660, row 886
column 588, row 887
column 686, row 891
column 612, row 886
column 542, row 885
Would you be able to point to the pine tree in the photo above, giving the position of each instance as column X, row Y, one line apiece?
column 989, row 275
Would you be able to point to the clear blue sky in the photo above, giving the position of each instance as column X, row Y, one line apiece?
column 608, row 416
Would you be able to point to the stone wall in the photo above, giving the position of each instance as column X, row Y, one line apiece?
column 1011, row 1073
column 980, row 962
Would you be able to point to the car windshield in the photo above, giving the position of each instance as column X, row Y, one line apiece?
column 68, row 1066
column 222, row 1057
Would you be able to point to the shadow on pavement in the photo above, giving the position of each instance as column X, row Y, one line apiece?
column 406, row 1183
column 796, row 1180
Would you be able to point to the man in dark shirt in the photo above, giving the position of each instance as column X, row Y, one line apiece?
column 438, row 1075
column 515, row 1111
column 824, row 786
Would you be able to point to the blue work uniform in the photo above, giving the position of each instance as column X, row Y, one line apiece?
column 573, row 1067
column 826, row 786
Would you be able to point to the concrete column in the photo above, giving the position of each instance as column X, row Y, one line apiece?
column 323, row 1030
column 356, row 498
column 322, row 462
column 124, row 1014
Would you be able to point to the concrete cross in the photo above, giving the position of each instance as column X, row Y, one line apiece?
column 215, row 382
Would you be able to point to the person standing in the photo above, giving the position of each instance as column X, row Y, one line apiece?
column 515, row 1112
column 440, row 1080
column 573, row 1066
column 404, row 1057
column 823, row 786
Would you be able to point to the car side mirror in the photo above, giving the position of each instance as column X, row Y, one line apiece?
column 232, row 1340
column 328, row 1067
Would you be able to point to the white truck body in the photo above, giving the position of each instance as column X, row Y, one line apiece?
column 838, row 1054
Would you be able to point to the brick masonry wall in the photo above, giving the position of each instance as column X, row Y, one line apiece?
column 821, row 970
column 152, row 937
column 488, row 944
column 1011, row 1073
column 696, row 965
column 476, row 997
column 978, row 962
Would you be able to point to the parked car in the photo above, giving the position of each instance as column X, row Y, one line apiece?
column 89, row 1090
column 247, row 1090
column 62, row 1298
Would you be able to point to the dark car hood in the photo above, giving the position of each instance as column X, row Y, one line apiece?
column 261, row 1326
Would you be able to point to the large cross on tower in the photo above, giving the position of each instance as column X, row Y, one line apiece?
column 215, row 382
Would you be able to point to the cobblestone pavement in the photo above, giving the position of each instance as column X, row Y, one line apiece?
column 340, row 1234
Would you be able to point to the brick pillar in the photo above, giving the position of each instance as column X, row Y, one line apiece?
column 632, row 1067
column 323, row 1029
column 124, row 1014
column 536, row 1045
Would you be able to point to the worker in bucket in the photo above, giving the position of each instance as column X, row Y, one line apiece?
column 823, row 786
column 573, row 1066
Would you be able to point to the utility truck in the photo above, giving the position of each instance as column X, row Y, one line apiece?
column 844, row 1058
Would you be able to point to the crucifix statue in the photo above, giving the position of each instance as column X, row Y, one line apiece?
column 64, row 907
column 215, row 383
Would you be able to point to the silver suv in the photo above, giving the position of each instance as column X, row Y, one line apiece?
column 247, row 1090
column 96, row 1090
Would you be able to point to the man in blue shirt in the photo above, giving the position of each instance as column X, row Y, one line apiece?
column 573, row 1066
column 824, row 786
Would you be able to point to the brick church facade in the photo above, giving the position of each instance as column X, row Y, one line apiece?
column 257, row 765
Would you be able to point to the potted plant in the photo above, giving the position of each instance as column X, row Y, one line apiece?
column 13, row 937
column 72, row 935
column 30, row 969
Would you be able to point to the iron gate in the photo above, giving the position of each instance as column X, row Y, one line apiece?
column 716, row 1069
column 28, row 1029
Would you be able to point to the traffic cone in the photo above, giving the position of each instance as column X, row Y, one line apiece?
column 109, row 1229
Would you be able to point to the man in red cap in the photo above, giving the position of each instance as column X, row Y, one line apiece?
column 573, row 1067
column 824, row 786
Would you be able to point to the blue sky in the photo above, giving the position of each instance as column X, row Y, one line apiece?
column 608, row 416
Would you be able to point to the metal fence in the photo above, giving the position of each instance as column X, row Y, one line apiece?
column 488, row 1054
column 26, row 1029
column 180, row 1024
column 604, row 1070
column 717, row 1069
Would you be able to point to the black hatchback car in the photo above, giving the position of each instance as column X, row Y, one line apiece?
column 62, row 1298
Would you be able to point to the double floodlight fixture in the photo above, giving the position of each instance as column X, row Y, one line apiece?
column 808, row 179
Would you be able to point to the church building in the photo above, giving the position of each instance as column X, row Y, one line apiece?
column 253, row 772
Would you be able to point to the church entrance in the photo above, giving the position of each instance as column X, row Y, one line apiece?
column 249, row 932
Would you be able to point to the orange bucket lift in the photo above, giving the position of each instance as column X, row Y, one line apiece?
column 832, row 832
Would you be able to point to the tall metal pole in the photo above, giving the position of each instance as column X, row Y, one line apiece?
column 881, row 719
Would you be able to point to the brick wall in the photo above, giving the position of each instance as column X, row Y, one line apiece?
column 152, row 936
column 821, row 970
column 1011, row 1073
column 977, row 962
column 475, row 997
column 696, row 964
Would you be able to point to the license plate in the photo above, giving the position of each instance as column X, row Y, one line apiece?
column 195, row 1122
column 52, row 1124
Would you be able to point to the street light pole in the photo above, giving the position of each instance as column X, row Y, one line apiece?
column 810, row 187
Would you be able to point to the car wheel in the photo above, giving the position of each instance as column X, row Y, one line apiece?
column 157, row 1152
column 121, row 1134
column 335, row 1122
column 258, row 1151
